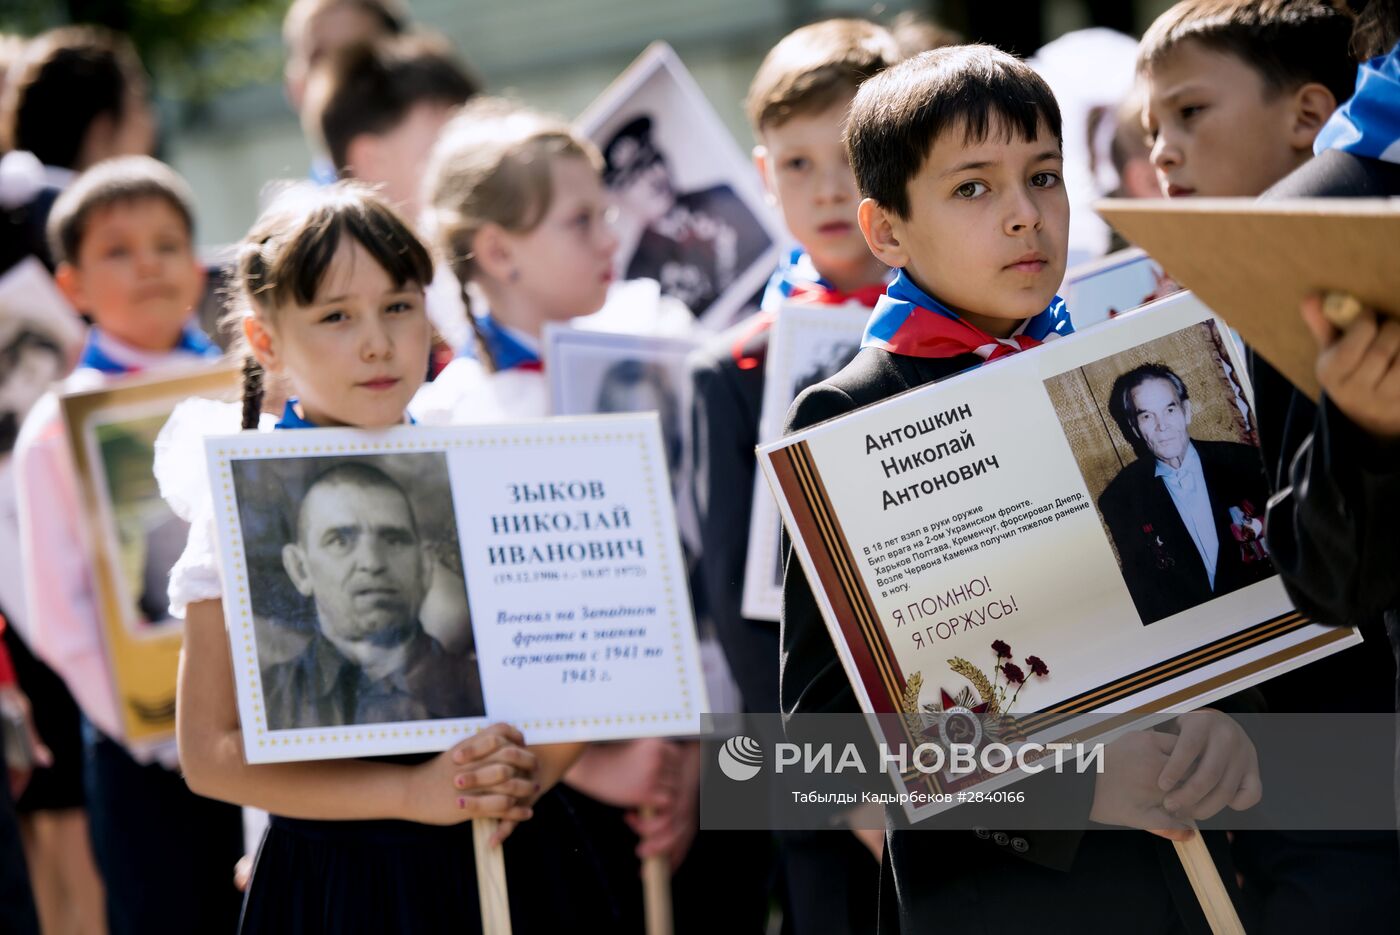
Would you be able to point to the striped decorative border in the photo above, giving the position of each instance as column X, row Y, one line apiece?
column 856, row 617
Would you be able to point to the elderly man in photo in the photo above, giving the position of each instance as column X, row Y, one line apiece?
column 358, row 557
column 1186, row 515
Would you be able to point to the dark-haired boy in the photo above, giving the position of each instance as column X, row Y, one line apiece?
column 1237, row 94
column 797, row 106
column 957, row 153
column 123, row 235
column 378, row 107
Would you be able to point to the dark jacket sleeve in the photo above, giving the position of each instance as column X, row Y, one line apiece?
column 723, row 464
column 1334, row 526
column 1334, row 522
column 811, row 677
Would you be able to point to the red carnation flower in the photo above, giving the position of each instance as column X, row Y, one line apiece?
column 1013, row 673
column 1001, row 649
column 1038, row 666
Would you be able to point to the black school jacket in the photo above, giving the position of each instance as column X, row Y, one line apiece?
column 1335, row 521
column 1161, row 564
column 994, row 880
column 724, row 431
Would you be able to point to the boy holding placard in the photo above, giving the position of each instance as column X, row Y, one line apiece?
column 1236, row 95
column 797, row 106
column 958, row 155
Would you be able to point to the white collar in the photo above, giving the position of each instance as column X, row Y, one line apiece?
column 1190, row 464
column 136, row 358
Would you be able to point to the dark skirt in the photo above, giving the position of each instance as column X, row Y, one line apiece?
column 352, row 877
column 58, row 722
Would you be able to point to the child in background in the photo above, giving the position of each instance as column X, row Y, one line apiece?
column 797, row 107
column 123, row 238
column 519, row 213
column 914, row 33
column 331, row 285
column 74, row 96
column 1130, row 157
column 378, row 107
column 1237, row 93
column 313, row 30
column 516, row 205
column 957, row 153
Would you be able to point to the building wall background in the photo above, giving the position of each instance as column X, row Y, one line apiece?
column 557, row 55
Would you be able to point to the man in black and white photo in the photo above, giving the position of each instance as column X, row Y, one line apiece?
column 696, row 244
column 1186, row 515
column 358, row 556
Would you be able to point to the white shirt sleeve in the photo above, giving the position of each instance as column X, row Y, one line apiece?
column 63, row 627
column 183, row 476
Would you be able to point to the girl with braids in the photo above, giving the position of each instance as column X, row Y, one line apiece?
column 519, row 214
column 329, row 286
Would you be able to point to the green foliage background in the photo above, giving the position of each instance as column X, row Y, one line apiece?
column 194, row 49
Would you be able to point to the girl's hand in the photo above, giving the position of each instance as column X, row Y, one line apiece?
column 489, row 775
column 1213, row 765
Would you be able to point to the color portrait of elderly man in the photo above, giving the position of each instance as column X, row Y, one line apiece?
column 1186, row 515
column 358, row 556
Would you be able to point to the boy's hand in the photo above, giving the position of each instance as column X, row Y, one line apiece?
column 1213, row 765
column 489, row 775
column 1359, row 367
column 1127, row 792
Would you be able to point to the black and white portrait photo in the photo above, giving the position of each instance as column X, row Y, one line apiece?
column 690, row 208
column 1177, row 479
column 598, row 372
column 695, row 243
column 358, row 590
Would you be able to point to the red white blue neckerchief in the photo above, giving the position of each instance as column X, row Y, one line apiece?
column 292, row 419
column 911, row 322
column 192, row 341
column 1368, row 124
column 508, row 351
column 797, row 280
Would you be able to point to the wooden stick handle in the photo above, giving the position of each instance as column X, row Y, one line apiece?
column 1209, row 888
column 656, row 892
column 490, row 878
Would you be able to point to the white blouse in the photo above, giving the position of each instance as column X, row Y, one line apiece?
column 184, row 483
